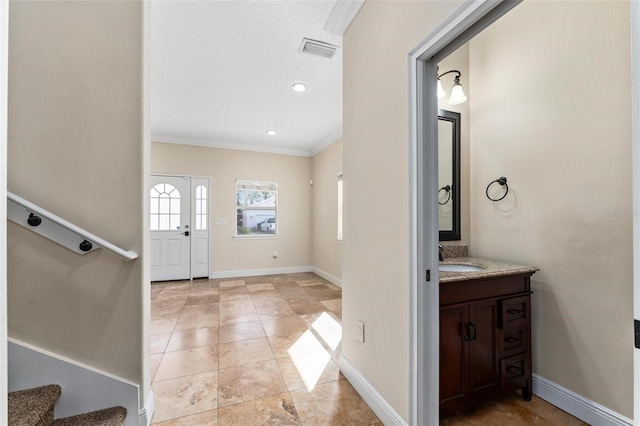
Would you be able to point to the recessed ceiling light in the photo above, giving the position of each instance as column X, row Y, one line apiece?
column 271, row 132
column 298, row 87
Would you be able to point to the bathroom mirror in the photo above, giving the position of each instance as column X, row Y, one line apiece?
column 449, row 175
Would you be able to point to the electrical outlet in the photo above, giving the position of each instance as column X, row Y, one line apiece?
column 360, row 332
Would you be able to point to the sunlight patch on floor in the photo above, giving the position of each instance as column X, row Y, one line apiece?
column 310, row 359
column 329, row 330
column 309, row 355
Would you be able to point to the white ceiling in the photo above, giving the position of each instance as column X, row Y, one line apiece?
column 221, row 73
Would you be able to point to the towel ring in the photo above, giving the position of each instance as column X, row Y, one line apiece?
column 448, row 190
column 503, row 182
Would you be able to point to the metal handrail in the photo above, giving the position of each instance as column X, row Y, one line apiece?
column 89, row 241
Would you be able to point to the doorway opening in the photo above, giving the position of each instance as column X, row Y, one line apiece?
column 471, row 19
column 426, row 318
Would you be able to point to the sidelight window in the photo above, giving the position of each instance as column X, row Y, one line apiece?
column 201, row 208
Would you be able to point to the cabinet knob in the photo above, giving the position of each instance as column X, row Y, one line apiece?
column 514, row 370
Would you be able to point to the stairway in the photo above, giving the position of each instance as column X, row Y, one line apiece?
column 34, row 407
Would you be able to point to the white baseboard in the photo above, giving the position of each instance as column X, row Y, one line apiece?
column 276, row 271
column 327, row 276
column 586, row 410
column 84, row 388
column 258, row 272
column 378, row 404
column 146, row 413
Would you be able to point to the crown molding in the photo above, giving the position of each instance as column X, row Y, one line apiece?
column 342, row 15
column 327, row 141
column 235, row 146
column 324, row 143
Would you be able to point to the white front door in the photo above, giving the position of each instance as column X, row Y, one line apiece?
column 170, row 208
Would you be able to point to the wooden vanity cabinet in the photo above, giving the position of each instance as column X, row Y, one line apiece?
column 485, row 340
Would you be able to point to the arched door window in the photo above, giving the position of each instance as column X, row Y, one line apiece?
column 165, row 207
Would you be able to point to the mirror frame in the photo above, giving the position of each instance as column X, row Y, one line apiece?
column 454, row 118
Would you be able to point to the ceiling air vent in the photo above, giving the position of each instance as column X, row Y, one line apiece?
column 318, row 48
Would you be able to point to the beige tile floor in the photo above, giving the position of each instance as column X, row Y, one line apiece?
column 252, row 351
column 265, row 351
column 512, row 410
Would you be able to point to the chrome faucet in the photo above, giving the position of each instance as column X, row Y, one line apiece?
column 440, row 257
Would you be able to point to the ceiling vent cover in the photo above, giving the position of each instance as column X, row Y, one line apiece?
column 318, row 48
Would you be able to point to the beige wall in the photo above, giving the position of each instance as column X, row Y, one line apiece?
column 459, row 60
column 327, row 251
column 75, row 148
column 551, row 112
column 4, row 54
column 224, row 166
column 376, row 168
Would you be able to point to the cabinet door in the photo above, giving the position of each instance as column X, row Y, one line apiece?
column 454, row 356
column 483, row 360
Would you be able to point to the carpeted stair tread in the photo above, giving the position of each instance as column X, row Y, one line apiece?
column 33, row 407
column 108, row 417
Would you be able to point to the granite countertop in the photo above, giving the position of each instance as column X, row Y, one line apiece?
column 491, row 268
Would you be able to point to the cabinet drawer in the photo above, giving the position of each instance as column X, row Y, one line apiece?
column 479, row 289
column 513, row 342
column 514, row 312
column 514, row 372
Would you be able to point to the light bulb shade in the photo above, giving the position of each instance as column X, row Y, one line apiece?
column 441, row 92
column 457, row 95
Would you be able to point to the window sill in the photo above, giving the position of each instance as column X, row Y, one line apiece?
column 256, row 237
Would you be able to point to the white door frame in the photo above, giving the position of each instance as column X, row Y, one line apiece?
column 635, row 146
column 4, row 61
column 470, row 18
column 209, row 217
column 424, row 306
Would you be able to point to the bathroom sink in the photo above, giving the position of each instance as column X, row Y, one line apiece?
column 459, row 267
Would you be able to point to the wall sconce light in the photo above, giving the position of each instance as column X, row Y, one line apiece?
column 457, row 94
